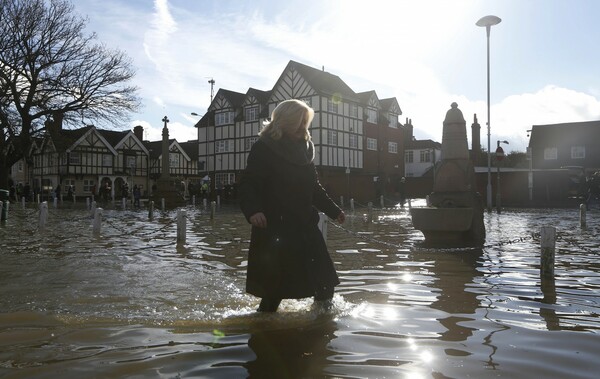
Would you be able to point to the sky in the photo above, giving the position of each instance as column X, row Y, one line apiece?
column 544, row 56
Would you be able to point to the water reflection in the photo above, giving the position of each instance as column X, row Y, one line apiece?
column 134, row 302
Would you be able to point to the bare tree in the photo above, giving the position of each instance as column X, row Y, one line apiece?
column 51, row 70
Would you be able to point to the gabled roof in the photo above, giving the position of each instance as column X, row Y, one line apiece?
column 422, row 144
column 323, row 81
column 235, row 99
column 63, row 139
column 369, row 98
column 261, row 96
column 155, row 148
column 565, row 133
column 390, row 105
column 112, row 136
column 190, row 148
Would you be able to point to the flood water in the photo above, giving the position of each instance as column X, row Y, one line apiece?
column 132, row 303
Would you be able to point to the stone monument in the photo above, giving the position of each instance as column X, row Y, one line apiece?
column 165, row 187
column 454, row 214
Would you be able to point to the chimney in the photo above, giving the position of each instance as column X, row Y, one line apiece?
column 138, row 131
column 475, row 141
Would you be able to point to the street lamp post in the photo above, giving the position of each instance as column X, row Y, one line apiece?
column 499, row 157
column 488, row 22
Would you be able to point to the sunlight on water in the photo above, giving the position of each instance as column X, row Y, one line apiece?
column 132, row 299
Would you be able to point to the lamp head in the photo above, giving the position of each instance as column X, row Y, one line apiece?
column 488, row 21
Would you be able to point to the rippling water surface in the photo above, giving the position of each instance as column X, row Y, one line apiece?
column 133, row 303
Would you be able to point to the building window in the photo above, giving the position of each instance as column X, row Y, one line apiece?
column 68, row 183
column 372, row 115
column 251, row 114
column 354, row 110
column 224, row 178
column 408, row 156
column 74, row 158
column 87, row 185
column 332, row 137
column 392, row 147
column 371, row 144
column 248, row 142
column 173, row 159
column 223, row 118
column 393, row 120
column 130, row 162
column 550, row 153
column 224, row 146
column 332, row 106
column 20, row 166
column 425, row 156
column 107, row 160
column 353, row 141
column 308, row 101
column 578, row 152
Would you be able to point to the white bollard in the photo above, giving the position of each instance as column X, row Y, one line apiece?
column 23, row 202
column 352, row 204
column 74, row 199
column 204, row 203
column 87, row 203
column 548, row 245
column 97, row 225
column 410, row 206
column 219, row 201
column 162, row 204
column 43, row 216
column 61, row 198
column 194, row 201
column 213, row 207
column 341, row 201
column 181, row 220
column 323, row 220
column 93, row 209
column 55, row 202
column 151, row 210
column 381, row 202
column 369, row 212
column 124, row 203
column 582, row 216
column 37, row 198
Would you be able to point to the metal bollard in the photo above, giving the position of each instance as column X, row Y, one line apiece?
column 55, row 202
column 204, row 203
column 87, row 203
column 213, row 207
column 352, row 205
column 43, row 216
column 369, row 212
column 342, row 201
column 219, row 201
column 162, row 204
column 548, row 245
column 582, row 216
column 194, row 201
column 23, row 202
column 381, row 202
column 181, row 221
column 97, row 224
column 124, row 203
column 151, row 210
column 93, row 209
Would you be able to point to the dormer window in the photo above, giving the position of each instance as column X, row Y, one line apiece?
column 372, row 115
column 251, row 114
column 393, row 120
column 223, row 118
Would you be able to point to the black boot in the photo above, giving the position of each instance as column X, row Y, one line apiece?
column 269, row 305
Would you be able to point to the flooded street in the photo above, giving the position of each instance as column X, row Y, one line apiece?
column 132, row 303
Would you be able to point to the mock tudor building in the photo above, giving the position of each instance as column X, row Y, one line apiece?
column 359, row 142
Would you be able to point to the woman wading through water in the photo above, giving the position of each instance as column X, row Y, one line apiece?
column 281, row 196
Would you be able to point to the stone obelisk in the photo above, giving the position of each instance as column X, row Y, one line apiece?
column 165, row 186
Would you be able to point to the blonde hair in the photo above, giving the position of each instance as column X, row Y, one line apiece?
column 288, row 116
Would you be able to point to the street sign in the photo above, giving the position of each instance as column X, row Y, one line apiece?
column 499, row 153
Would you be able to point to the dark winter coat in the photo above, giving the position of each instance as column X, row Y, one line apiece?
column 289, row 258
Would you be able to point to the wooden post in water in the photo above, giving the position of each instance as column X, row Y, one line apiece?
column 151, row 210
column 582, row 216
column 97, row 224
column 213, row 207
column 548, row 245
column 323, row 225
column 181, row 220
column 43, row 216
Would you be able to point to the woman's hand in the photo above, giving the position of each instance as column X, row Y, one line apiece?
column 259, row 220
column 341, row 217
